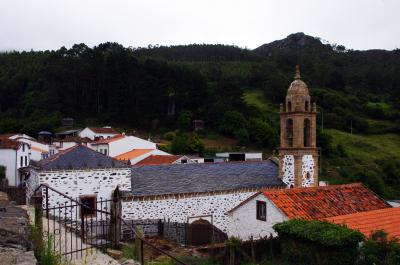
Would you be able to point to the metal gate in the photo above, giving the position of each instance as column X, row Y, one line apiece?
column 70, row 225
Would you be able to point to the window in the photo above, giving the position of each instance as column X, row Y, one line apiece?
column 105, row 151
column 21, row 161
column 184, row 161
column 89, row 208
column 306, row 106
column 307, row 133
column 26, row 161
column 289, row 106
column 23, row 148
column 261, row 210
column 289, row 132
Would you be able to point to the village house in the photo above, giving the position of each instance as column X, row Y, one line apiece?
column 81, row 173
column 96, row 133
column 120, row 144
column 154, row 160
column 39, row 150
column 70, row 141
column 14, row 156
column 256, row 216
column 187, row 193
column 135, row 156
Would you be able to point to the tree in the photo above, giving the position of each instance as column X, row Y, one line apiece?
column 380, row 250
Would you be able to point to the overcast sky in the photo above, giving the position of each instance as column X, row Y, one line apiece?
column 50, row 24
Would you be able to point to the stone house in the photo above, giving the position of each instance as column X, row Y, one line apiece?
column 186, row 193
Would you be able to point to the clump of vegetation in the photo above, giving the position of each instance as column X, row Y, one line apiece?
column 380, row 250
column 317, row 242
column 48, row 255
column 129, row 251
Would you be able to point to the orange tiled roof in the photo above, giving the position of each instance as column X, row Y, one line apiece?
column 6, row 143
column 108, row 130
column 367, row 222
column 158, row 160
column 109, row 140
column 39, row 149
column 133, row 154
column 321, row 202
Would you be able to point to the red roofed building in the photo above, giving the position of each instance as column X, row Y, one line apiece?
column 14, row 155
column 256, row 215
column 96, row 133
column 387, row 219
column 154, row 160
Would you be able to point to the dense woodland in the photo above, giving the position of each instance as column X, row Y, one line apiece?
column 159, row 89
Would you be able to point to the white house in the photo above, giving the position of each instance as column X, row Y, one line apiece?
column 185, row 193
column 70, row 141
column 80, row 172
column 39, row 150
column 96, row 133
column 14, row 155
column 120, row 144
column 255, row 216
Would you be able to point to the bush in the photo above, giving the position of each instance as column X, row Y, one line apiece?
column 317, row 242
column 185, row 120
column 232, row 122
column 379, row 250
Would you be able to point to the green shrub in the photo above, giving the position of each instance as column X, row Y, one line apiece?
column 129, row 251
column 317, row 242
column 379, row 250
column 48, row 256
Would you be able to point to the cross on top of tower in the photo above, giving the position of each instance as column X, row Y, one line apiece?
column 297, row 74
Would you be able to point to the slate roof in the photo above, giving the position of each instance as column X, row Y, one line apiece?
column 158, row 160
column 387, row 219
column 191, row 178
column 322, row 202
column 79, row 157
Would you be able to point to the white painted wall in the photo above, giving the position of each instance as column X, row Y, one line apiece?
column 8, row 159
column 127, row 144
column 11, row 159
column 101, row 148
column 91, row 135
column 35, row 154
column 244, row 223
column 253, row 156
column 179, row 209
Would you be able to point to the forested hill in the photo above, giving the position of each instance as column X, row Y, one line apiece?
column 235, row 91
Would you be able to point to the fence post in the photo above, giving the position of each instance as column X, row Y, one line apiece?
column 160, row 228
column 115, row 221
column 139, row 244
column 37, row 201
column 253, row 254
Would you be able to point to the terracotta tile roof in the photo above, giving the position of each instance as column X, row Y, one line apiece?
column 6, row 143
column 158, row 160
column 76, row 139
column 133, row 154
column 109, row 140
column 107, row 130
column 367, row 222
column 39, row 149
column 321, row 202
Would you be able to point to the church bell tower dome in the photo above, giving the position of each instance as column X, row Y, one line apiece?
column 297, row 97
column 298, row 152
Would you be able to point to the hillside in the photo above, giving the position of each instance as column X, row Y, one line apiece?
column 235, row 91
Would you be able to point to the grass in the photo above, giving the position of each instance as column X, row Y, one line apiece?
column 368, row 148
column 256, row 99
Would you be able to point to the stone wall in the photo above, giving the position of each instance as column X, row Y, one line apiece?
column 15, row 245
column 179, row 208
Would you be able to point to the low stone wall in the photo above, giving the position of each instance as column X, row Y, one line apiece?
column 15, row 245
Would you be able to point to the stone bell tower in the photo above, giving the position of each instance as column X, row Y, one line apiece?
column 298, row 153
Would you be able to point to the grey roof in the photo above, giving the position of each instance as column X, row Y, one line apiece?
column 188, row 178
column 79, row 157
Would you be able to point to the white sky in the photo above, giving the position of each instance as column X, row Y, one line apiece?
column 50, row 24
